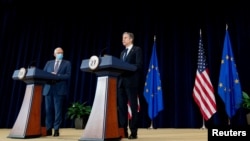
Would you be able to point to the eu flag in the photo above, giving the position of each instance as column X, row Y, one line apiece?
column 229, row 88
column 152, row 88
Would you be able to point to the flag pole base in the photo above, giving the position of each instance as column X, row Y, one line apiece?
column 151, row 125
column 203, row 125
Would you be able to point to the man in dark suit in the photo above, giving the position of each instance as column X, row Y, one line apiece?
column 128, row 86
column 55, row 92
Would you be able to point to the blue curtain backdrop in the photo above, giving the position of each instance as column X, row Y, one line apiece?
column 30, row 30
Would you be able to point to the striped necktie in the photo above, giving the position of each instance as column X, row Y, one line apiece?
column 56, row 66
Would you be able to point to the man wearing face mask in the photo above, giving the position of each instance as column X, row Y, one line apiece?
column 55, row 92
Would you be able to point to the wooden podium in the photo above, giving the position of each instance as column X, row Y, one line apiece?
column 102, row 124
column 28, row 122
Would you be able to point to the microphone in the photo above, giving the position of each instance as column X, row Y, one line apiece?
column 101, row 52
column 32, row 64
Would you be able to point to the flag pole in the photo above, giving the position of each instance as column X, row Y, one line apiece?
column 203, row 121
column 151, row 125
column 201, row 97
column 229, row 122
column 152, row 88
column 203, row 124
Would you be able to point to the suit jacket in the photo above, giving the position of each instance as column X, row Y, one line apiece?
column 132, row 78
column 61, row 86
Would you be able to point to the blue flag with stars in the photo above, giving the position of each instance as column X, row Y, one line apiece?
column 152, row 88
column 229, row 88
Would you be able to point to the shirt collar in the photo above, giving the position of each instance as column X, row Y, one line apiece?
column 129, row 47
column 58, row 61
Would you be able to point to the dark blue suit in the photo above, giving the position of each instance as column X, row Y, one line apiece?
column 128, row 88
column 55, row 92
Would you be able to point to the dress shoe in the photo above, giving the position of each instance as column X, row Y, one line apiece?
column 49, row 132
column 132, row 137
column 56, row 133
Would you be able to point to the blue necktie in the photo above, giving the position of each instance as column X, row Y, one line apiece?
column 125, row 55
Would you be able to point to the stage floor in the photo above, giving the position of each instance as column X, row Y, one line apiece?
column 160, row 134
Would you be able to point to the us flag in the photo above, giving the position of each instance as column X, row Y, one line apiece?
column 203, row 91
column 129, row 108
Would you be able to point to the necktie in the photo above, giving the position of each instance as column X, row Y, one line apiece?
column 56, row 66
column 125, row 54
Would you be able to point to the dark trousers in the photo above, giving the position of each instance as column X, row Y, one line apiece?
column 53, row 111
column 123, row 96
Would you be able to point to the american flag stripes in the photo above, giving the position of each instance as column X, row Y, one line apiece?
column 203, row 91
column 129, row 108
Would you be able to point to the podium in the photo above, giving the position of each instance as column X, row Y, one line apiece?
column 102, row 124
column 28, row 122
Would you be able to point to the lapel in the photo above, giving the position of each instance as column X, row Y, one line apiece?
column 52, row 66
column 60, row 66
column 122, row 54
column 130, row 52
